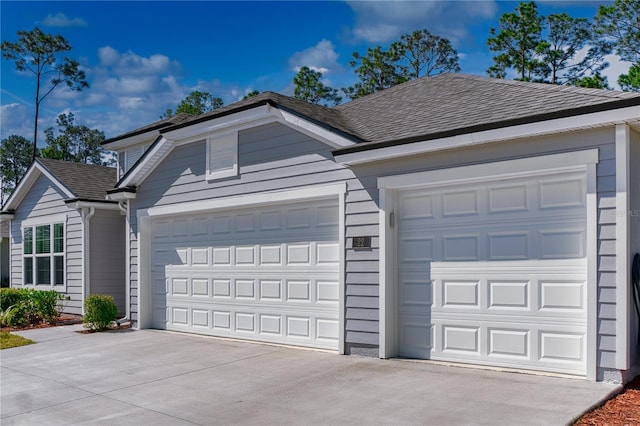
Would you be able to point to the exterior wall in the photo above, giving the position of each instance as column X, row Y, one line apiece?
column 362, row 219
column 107, row 250
column 271, row 157
column 634, row 234
column 4, row 253
column 45, row 199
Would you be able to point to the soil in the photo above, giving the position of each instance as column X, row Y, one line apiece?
column 621, row 410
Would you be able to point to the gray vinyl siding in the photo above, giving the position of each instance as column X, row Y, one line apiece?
column 107, row 250
column 271, row 157
column 634, row 229
column 362, row 219
column 42, row 201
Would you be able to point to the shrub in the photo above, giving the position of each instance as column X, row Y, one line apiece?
column 99, row 311
column 23, row 306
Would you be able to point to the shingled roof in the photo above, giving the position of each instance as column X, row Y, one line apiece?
column 430, row 107
column 158, row 125
column 87, row 182
column 457, row 103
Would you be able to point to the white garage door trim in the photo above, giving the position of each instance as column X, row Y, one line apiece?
column 389, row 186
column 145, row 216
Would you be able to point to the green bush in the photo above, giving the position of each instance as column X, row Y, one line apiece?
column 99, row 311
column 24, row 306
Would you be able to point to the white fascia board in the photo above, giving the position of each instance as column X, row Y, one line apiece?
column 242, row 201
column 125, row 143
column 313, row 130
column 97, row 205
column 242, row 119
column 152, row 158
column 121, row 196
column 548, row 127
column 28, row 180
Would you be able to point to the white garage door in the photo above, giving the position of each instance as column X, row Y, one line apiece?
column 495, row 273
column 268, row 274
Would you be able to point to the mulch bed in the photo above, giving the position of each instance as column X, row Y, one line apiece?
column 64, row 319
column 621, row 410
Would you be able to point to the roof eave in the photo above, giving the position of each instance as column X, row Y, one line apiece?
column 497, row 132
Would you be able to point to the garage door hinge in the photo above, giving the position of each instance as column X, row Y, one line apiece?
column 392, row 219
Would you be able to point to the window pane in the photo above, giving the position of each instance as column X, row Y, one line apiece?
column 58, row 238
column 28, row 240
column 28, row 270
column 59, row 270
column 43, row 273
column 43, row 243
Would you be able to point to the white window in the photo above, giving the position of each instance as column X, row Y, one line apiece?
column 43, row 248
column 222, row 155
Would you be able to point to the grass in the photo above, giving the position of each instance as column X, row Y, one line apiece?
column 8, row 340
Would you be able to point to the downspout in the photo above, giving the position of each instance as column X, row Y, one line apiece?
column 86, row 214
column 124, row 207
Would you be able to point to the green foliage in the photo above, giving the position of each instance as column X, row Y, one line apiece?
column 251, row 94
column 15, row 158
column 99, row 311
column 41, row 55
column 75, row 142
column 24, row 306
column 631, row 81
column 516, row 41
column 566, row 36
column 376, row 71
column 308, row 86
column 619, row 26
column 422, row 53
column 595, row 81
column 8, row 340
column 195, row 103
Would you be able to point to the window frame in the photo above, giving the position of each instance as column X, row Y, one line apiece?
column 48, row 252
column 232, row 170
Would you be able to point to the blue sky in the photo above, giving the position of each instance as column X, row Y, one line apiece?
column 143, row 57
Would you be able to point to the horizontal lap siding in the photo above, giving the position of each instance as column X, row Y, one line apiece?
column 44, row 200
column 107, row 267
column 271, row 157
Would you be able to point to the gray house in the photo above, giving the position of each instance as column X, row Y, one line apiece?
column 454, row 218
column 63, row 233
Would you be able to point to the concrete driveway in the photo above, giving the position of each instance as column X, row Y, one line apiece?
column 161, row 378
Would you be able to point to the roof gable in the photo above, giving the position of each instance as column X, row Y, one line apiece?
column 78, row 181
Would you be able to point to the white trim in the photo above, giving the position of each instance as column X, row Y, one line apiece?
column 29, row 178
column 121, row 196
column 44, row 220
column 560, row 125
column 313, row 130
column 623, row 248
column 532, row 166
column 592, row 273
column 85, row 215
column 318, row 192
column 145, row 137
column 499, row 170
column 210, row 143
column 156, row 153
column 95, row 204
column 248, row 200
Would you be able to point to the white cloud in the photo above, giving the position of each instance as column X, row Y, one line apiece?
column 62, row 20
column 322, row 57
column 16, row 119
column 381, row 21
column 613, row 71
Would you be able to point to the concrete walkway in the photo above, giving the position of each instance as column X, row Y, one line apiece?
column 159, row 378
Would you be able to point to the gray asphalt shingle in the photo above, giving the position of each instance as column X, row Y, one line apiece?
column 86, row 181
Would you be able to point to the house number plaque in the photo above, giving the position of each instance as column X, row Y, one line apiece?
column 361, row 242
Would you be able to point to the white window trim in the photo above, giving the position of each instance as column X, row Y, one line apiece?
column 34, row 223
column 388, row 187
column 227, row 172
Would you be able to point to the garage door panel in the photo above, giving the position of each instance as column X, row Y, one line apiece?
column 268, row 274
column 495, row 272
